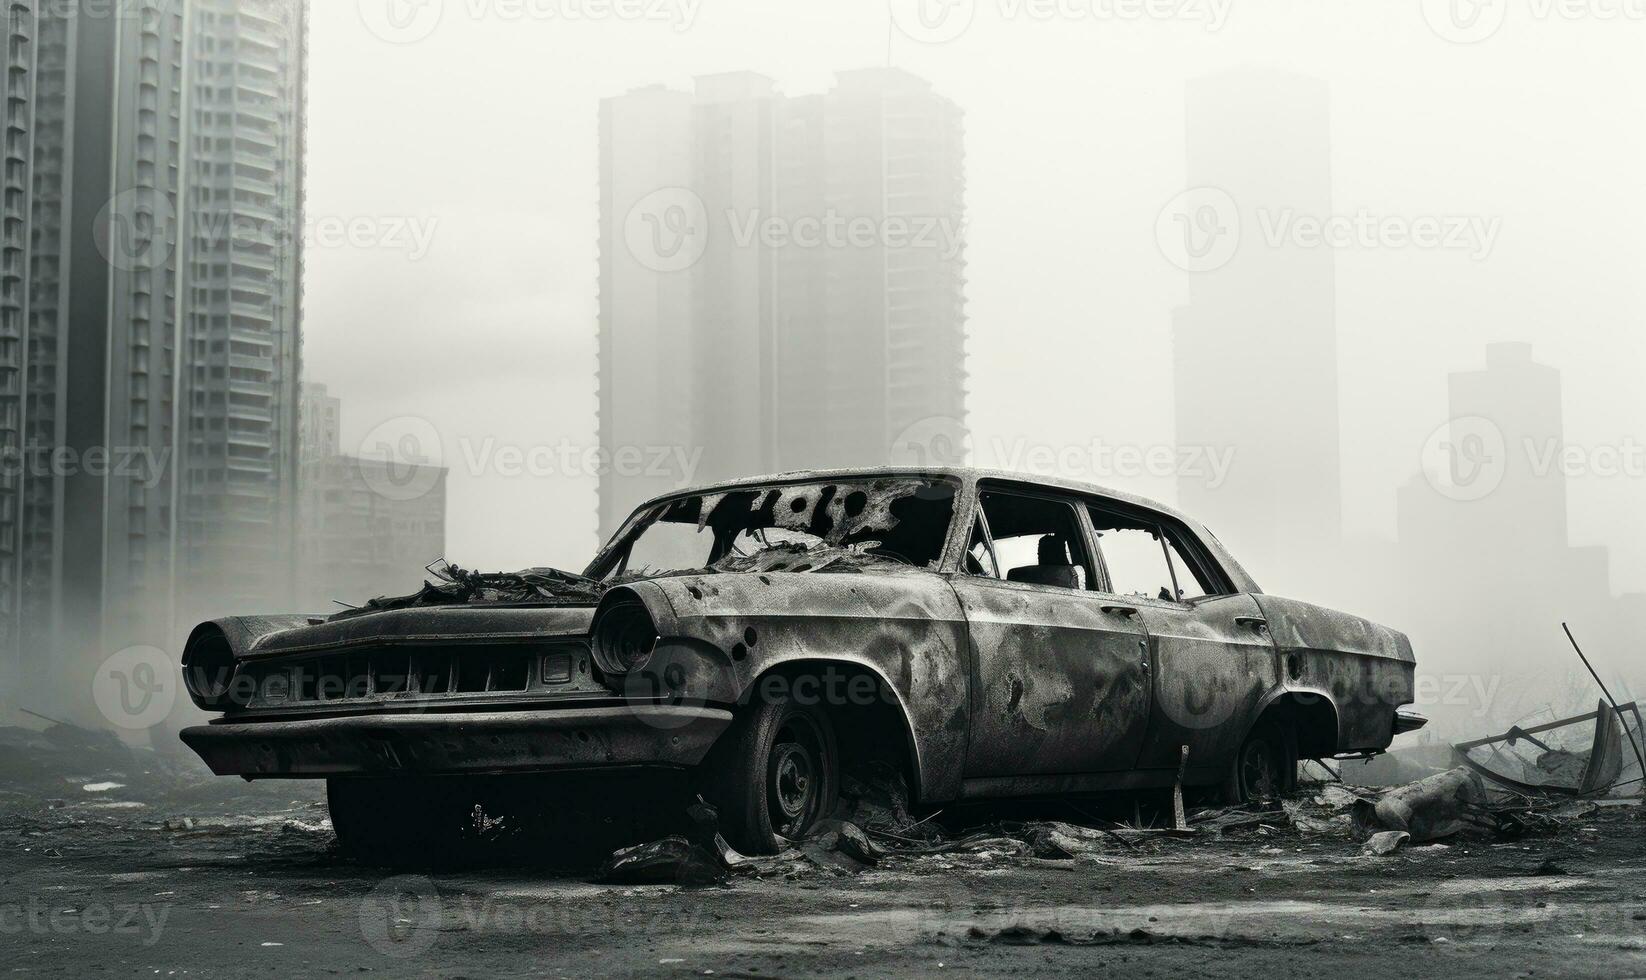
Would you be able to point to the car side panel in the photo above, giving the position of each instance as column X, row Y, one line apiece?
column 1366, row 670
column 1211, row 669
column 1061, row 686
column 906, row 627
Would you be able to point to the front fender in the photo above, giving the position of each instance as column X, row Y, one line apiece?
column 720, row 634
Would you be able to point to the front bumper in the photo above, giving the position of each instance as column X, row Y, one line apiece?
column 480, row 742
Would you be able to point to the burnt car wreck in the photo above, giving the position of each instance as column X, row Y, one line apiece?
column 988, row 635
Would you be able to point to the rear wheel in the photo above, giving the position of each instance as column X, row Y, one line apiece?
column 773, row 774
column 1265, row 767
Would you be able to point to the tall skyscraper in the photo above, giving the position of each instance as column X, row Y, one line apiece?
column 1486, row 569
column 159, row 348
column 781, row 279
column 1255, row 350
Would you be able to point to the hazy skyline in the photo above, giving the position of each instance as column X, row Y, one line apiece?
column 481, row 137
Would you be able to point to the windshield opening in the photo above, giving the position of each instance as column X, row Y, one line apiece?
column 797, row 527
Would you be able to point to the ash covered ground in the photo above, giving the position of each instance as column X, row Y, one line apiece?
column 152, row 867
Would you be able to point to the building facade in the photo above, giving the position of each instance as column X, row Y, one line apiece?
column 153, row 405
column 369, row 526
column 781, row 278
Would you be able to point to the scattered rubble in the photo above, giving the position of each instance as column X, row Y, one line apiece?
column 1388, row 842
column 1543, row 759
column 1429, row 810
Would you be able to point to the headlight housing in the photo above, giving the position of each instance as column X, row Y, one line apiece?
column 208, row 667
column 625, row 635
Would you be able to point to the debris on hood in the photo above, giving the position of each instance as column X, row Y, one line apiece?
column 455, row 586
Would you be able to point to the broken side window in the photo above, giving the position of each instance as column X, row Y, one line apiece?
column 1144, row 558
column 1135, row 554
column 1038, row 540
column 979, row 555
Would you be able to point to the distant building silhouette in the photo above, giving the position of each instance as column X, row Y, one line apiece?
column 781, row 279
column 368, row 525
column 148, row 370
column 1484, row 573
column 1255, row 350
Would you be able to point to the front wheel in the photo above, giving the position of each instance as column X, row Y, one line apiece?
column 381, row 822
column 1265, row 767
column 773, row 774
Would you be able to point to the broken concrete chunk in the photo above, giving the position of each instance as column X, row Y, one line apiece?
column 1054, row 845
column 1388, row 843
column 854, row 843
column 1430, row 809
column 670, row 861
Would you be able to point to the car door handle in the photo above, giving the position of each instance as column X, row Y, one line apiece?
column 1255, row 622
column 1127, row 611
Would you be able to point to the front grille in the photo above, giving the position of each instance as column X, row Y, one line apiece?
column 415, row 672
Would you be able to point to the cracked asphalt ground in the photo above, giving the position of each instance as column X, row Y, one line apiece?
column 229, row 879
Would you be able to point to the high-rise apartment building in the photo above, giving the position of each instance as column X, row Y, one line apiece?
column 781, row 278
column 156, row 359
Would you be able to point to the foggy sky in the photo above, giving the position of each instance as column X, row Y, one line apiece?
column 485, row 134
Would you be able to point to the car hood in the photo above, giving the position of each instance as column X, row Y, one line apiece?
column 255, row 637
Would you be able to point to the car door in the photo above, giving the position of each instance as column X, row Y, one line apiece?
column 1210, row 653
column 1059, row 686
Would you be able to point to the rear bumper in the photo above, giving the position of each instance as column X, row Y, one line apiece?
column 482, row 742
column 1409, row 721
